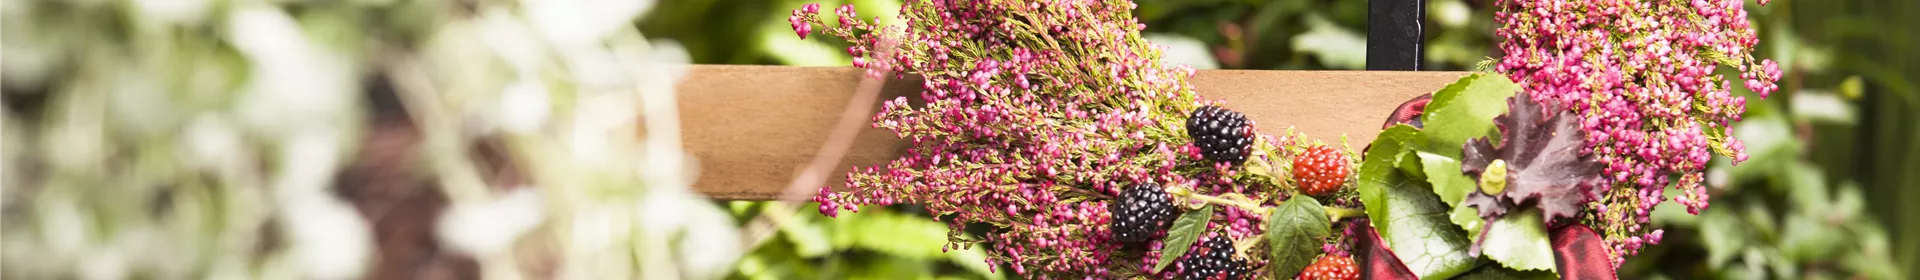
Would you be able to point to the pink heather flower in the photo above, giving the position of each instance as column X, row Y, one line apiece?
column 1641, row 75
column 800, row 25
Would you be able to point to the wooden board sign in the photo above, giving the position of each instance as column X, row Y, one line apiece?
column 752, row 128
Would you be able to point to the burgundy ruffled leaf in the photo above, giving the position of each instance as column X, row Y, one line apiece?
column 1546, row 165
column 1580, row 253
column 1376, row 260
column 1409, row 112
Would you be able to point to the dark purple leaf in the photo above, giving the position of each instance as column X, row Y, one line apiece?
column 1546, row 167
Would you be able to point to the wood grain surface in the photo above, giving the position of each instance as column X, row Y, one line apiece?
column 753, row 127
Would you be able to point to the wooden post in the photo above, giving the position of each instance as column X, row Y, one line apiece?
column 753, row 127
column 1395, row 38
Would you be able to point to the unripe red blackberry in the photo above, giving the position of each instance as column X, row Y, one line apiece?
column 1321, row 170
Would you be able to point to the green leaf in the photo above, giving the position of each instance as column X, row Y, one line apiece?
column 1724, row 235
column 1295, row 230
column 1805, row 237
column 1464, row 110
column 1443, row 172
column 1412, row 220
column 896, row 234
column 1519, row 241
column 1468, row 219
column 1495, row 271
column 1185, row 231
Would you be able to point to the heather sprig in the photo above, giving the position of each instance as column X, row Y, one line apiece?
column 1641, row 76
column 1036, row 115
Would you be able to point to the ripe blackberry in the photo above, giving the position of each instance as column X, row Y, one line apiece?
column 1139, row 212
column 1330, row 267
column 1321, row 170
column 1216, row 263
column 1222, row 135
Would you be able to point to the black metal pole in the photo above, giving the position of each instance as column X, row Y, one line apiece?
column 1395, row 40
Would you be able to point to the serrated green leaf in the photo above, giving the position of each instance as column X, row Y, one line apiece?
column 1519, row 241
column 1464, row 110
column 1443, row 172
column 1295, row 231
column 1185, row 231
column 1412, row 220
column 1467, row 218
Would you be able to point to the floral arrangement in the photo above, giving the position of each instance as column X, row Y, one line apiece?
column 1055, row 127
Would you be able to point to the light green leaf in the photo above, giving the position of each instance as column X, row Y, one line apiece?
column 1519, row 241
column 1443, row 172
column 1409, row 217
column 1468, row 219
column 1464, row 110
column 1295, row 230
column 1185, row 231
column 899, row 235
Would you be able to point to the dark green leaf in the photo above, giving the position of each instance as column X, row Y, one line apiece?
column 1412, row 220
column 1295, row 231
column 1185, row 231
column 1519, row 241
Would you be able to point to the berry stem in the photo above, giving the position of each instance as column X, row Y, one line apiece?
column 1250, row 207
column 1334, row 213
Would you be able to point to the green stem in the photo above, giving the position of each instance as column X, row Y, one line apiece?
column 1250, row 207
column 1334, row 213
column 1337, row 213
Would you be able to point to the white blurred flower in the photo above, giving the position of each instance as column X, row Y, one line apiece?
column 574, row 23
column 295, row 85
column 490, row 228
column 329, row 239
column 524, row 106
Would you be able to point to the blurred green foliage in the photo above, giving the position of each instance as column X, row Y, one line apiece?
column 875, row 243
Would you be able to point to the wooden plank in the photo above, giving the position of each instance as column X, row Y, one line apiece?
column 753, row 127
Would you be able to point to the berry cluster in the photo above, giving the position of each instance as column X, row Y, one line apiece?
column 1222, row 135
column 1321, row 170
column 1140, row 212
column 1217, row 262
column 1641, row 77
column 1331, row 267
